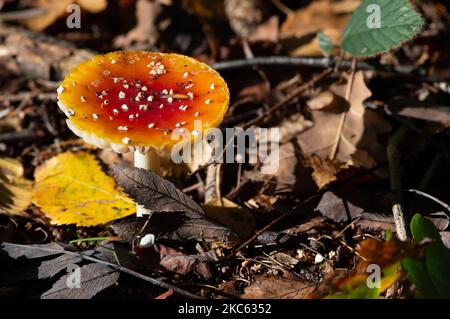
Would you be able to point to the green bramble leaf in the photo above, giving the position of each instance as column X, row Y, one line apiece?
column 325, row 44
column 378, row 26
column 431, row 276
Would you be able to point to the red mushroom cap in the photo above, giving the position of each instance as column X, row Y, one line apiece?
column 129, row 99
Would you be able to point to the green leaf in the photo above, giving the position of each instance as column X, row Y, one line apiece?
column 325, row 44
column 431, row 276
column 418, row 274
column 378, row 26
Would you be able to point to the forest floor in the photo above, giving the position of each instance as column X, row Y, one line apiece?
column 296, row 233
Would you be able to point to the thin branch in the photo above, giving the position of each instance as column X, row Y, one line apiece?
column 418, row 192
column 23, row 14
column 128, row 271
column 395, row 175
column 315, row 63
column 348, row 95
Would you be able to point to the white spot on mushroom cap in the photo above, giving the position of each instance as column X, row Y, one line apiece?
column 126, row 140
column 124, row 107
column 122, row 95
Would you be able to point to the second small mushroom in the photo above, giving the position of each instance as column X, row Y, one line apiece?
column 134, row 100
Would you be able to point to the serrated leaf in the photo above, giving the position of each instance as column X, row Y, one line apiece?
column 378, row 26
column 71, row 188
column 325, row 44
column 16, row 251
column 178, row 216
column 154, row 192
column 93, row 279
column 35, row 267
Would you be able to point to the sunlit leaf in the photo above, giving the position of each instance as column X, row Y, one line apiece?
column 378, row 26
column 71, row 188
column 15, row 190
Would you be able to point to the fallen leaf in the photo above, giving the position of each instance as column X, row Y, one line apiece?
column 328, row 17
column 145, row 33
column 277, row 288
column 154, row 192
column 93, row 279
column 58, row 8
column 71, row 188
column 239, row 219
column 15, row 190
column 244, row 16
column 93, row 6
column 388, row 255
column 176, row 215
column 293, row 126
column 324, row 170
column 16, row 251
column 165, row 295
column 55, row 9
column 181, row 263
column 358, row 146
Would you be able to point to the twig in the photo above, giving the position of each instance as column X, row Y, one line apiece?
column 348, row 95
column 23, row 14
column 314, row 63
column 289, row 98
column 282, row 7
column 12, row 137
column 395, row 175
column 418, row 192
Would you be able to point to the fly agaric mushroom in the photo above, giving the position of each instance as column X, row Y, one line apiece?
column 134, row 100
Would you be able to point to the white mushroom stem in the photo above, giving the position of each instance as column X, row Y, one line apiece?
column 150, row 161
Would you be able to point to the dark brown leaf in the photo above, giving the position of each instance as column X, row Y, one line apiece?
column 94, row 278
column 277, row 288
column 154, row 192
column 180, row 218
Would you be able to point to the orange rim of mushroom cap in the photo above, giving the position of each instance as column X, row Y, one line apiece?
column 135, row 99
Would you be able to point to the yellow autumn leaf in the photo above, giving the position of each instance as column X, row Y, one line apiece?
column 15, row 190
column 71, row 188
